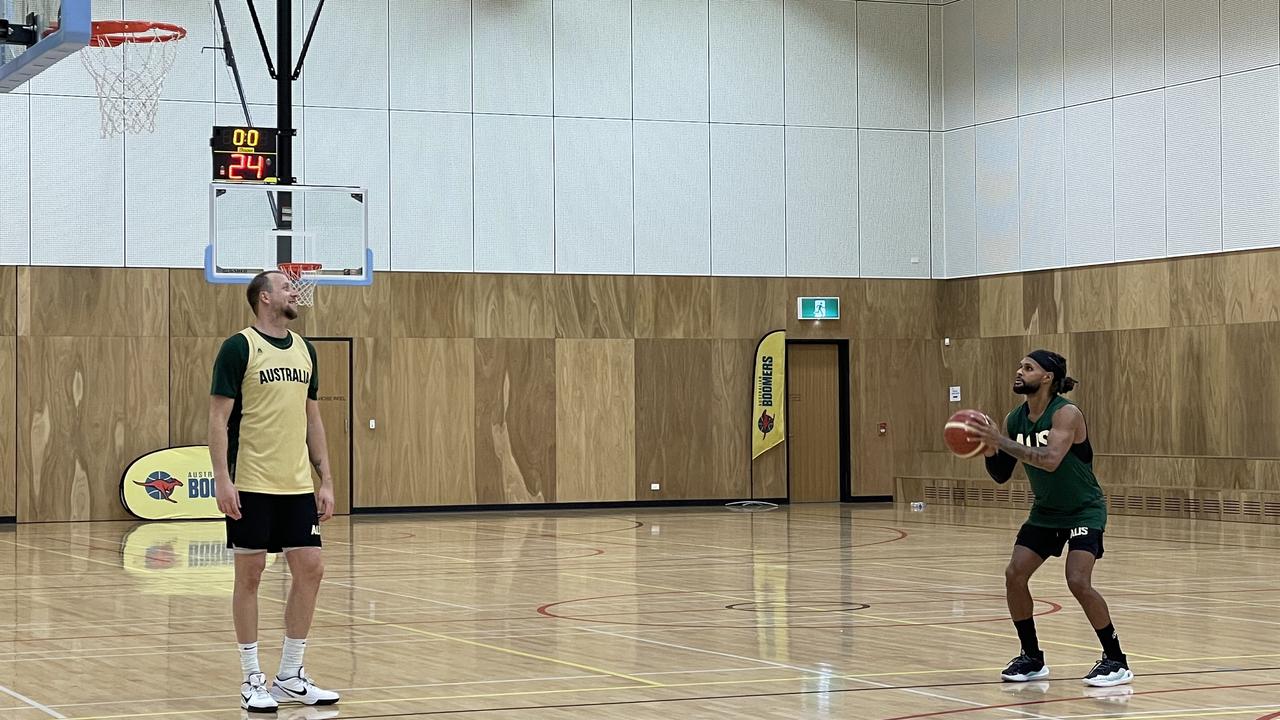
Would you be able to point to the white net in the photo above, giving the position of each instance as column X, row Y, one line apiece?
column 304, row 277
column 129, row 69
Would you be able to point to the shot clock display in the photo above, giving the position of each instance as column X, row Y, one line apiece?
column 244, row 154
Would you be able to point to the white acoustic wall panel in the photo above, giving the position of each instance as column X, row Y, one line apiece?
column 514, row 194
column 15, row 188
column 1042, row 188
column 593, row 197
column 593, row 58
column 672, row 198
column 998, row 199
column 1137, row 34
column 1091, row 231
column 1139, row 173
column 1193, row 162
column 995, row 59
column 431, row 192
column 366, row 136
column 821, row 63
column 893, row 66
column 957, row 59
column 1190, row 40
column 1251, row 159
column 822, row 202
column 938, row 204
column 512, row 62
column 937, row 79
column 748, row 200
column 348, row 63
column 960, row 198
column 1086, row 51
column 1250, row 34
column 431, row 43
column 670, row 59
column 193, row 72
column 746, row 61
column 893, row 207
column 167, row 188
column 1040, row 55
column 80, row 223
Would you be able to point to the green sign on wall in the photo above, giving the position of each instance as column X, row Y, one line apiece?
column 818, row 308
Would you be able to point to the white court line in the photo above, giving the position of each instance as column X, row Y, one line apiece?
column 820, row 673
column 400, row 595
column 32, row 703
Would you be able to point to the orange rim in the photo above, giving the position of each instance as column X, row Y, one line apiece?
column 295, row 270
column 114, row 33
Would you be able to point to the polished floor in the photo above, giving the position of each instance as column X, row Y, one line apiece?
column 813, row 611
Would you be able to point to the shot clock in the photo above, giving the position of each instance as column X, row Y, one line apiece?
column 244, row 154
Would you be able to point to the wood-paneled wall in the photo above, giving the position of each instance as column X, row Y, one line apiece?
column 1174, row 362
column 511, row 389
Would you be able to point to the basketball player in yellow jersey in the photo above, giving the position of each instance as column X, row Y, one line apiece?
column 264, row 425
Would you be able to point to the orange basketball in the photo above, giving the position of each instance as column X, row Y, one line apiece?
column 957, row 436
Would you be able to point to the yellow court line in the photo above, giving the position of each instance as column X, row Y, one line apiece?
column 862, row 613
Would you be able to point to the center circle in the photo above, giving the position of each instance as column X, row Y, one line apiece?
column 798, row 607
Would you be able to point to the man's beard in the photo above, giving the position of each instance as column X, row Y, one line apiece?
column 290, row 312
column 1025, row 388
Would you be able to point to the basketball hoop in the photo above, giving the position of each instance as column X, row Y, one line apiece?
column 302, row 274
column 129, row 60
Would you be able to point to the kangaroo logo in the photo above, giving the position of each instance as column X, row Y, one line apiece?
column 160, row 486
column 765, row 423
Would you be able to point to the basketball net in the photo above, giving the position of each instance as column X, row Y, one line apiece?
column 303, row 277
column 129, row 62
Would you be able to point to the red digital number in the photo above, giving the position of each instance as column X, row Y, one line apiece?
column 255, row 165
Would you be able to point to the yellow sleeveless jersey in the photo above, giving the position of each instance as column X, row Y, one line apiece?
column 272, row 455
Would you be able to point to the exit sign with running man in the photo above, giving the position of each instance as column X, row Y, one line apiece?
column 818, row 308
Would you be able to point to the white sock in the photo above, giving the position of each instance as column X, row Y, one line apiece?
column 291, row 658
column 249, row 659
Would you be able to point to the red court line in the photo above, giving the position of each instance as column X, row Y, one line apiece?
column 943, row 713
column 546, row 610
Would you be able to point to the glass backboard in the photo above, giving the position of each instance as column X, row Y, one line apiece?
column 251, row 231
column 55, row 29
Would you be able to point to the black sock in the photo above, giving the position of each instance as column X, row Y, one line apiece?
column 1027, row 636
column 1110, row 642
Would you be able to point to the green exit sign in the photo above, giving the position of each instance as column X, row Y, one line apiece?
column 818, row 308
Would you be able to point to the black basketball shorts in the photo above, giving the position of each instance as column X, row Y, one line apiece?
column 1047, row 541
column 274, row 522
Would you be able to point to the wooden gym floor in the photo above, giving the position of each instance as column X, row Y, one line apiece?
column 863, row 612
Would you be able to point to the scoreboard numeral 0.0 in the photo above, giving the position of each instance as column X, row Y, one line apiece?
column 241, row 137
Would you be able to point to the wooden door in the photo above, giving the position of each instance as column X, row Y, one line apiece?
column 813, row 422
column 334, row 360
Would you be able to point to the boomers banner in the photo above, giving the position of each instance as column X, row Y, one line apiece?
column 768, row 417
column 171, row 484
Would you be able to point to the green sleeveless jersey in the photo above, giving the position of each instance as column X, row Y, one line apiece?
column 1070, row 496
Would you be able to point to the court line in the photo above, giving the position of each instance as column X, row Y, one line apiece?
column 819, row 673
column 1050, row 701
column 900, row 623
column 34, row 705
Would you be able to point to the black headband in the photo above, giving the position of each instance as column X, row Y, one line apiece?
column 1051, row 362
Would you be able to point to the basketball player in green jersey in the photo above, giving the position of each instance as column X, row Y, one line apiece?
column 264, row 425
column 1049, row 435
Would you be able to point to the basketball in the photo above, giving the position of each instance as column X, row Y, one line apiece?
column 957, row 437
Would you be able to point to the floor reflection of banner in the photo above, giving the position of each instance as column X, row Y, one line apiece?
column 181, row 558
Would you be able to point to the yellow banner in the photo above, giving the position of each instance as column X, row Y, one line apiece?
column 171, row 484
column 768, row 418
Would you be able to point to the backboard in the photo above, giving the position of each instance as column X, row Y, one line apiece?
column 60, row 28
column 249, row 232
